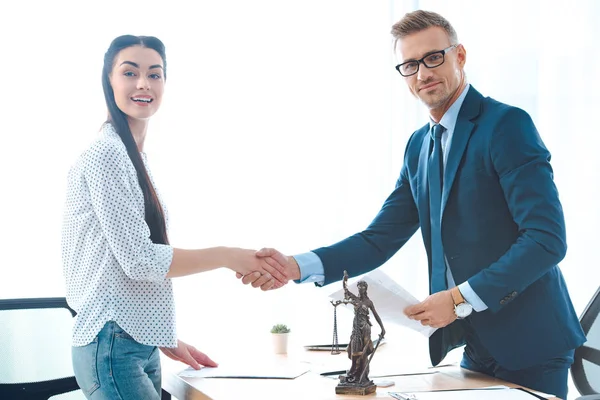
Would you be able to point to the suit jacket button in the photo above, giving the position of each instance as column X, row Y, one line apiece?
column 513, row 294
column 502, row 301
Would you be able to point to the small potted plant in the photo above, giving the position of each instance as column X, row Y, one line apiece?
column 280, row 334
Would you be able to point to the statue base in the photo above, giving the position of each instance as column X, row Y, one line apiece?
column 354, row 388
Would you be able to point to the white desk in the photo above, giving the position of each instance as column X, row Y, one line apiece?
column 313, row 386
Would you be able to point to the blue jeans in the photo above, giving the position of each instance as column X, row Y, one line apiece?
column 550, row 377
column 116, row 367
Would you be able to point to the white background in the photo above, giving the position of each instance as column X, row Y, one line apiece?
column 283, row 125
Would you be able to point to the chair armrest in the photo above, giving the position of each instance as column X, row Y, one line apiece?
column 32, row 303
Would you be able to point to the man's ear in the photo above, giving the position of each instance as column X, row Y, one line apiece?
column 461, row 54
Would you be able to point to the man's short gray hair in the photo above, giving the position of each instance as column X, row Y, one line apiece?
column 419, row 20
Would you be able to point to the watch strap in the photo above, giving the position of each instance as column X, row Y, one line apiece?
column 457, row 296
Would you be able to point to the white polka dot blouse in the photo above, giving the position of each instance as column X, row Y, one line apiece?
column 113, row 271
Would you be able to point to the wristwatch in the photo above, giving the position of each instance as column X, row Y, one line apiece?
column 462, row 309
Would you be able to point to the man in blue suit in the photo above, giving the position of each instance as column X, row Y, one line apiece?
column 478, row 182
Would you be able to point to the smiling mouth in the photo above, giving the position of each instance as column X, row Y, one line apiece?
column 429, row 86
column 142, row 100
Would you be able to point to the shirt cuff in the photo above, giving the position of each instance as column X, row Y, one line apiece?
column 311, row 268
column 164, row 259
column 471, row 297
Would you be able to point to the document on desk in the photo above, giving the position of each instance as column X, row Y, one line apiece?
column 491, row 393
column 390, row 300
column 250, row 370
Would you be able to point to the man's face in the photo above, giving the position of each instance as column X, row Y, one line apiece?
column 434, row 86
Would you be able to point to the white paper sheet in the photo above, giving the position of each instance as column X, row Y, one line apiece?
column 469, row 394
column 389, row 299
column 244, row 369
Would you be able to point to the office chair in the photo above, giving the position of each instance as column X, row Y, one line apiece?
column 35, row 348
column 585, row 370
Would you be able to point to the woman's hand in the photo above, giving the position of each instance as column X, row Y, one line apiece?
column 245, row 262
column 189, row 355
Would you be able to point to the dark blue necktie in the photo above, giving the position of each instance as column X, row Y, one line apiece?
column 436, row 183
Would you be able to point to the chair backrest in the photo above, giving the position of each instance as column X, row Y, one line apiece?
column 35, row 347
column 586, row 366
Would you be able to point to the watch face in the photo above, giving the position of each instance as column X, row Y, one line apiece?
column 463, row 310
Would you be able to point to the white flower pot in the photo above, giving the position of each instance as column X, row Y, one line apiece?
column 280, row 341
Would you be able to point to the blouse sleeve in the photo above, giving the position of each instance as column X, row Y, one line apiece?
column 118, row 203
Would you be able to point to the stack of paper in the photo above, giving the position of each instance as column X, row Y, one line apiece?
column 251, row 369
column 490, row 393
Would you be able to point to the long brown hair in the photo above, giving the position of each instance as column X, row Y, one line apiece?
column 154, row 215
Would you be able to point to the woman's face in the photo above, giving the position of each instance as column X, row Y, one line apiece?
column 137, row 80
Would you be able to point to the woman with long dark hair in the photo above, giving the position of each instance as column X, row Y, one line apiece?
column 116, row 253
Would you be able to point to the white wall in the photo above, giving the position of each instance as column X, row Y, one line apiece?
column 284, row 125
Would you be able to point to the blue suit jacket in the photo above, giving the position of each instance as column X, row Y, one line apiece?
column 503, row 230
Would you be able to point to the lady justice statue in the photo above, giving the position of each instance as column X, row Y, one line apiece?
column 361, row 349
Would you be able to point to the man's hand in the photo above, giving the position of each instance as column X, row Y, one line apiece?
column 189, row 355
column 275, row 259
column 436, row 310
column 269, row 273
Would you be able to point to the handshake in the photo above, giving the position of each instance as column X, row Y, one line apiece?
column 266, row 268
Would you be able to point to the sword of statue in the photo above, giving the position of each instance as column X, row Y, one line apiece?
column 370, row 358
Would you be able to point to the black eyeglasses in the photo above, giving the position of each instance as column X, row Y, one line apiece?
column 431, row 60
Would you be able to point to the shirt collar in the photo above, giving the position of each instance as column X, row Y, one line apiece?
column 449, row 118
column 109, row 130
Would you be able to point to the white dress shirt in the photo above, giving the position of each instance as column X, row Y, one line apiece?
column 113, row 271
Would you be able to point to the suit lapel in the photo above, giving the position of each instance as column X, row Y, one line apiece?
column 462, row 133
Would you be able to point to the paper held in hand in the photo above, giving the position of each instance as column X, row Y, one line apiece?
column 390, row 300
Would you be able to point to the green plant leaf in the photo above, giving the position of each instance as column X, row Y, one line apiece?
column 280, row 328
